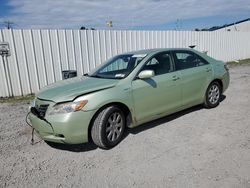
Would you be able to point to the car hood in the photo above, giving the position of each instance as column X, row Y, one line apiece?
column 68, row 90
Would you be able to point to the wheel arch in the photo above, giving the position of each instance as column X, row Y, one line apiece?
column 219, row 81
column 125, row 109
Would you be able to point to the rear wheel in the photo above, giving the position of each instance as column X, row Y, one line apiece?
column 213, row 95
column 108, row 127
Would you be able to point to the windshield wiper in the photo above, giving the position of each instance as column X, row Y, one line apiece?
column 95, row 76
column 98, row 76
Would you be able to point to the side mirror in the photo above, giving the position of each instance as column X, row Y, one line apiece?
column 146, row 74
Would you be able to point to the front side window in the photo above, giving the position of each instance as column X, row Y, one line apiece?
column 185, row 60
column 160, row 64
column 119, row 66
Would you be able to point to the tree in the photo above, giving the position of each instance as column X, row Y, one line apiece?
column 83, row 28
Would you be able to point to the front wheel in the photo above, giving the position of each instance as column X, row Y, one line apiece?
column 213, row 95
column 108, row 127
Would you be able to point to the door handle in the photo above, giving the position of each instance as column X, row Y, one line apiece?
column 175, row 78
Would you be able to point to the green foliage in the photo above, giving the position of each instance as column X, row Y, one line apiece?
column 26, row 98
column 240, row 62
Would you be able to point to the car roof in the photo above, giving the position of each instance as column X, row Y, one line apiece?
column 156, row 50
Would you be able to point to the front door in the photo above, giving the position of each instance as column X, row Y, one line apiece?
column 160, row 94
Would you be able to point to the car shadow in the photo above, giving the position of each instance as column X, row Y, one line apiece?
column 223, row 97
column 160, row 121
column 149, row 125
column 151, row 82
column 73, row 147
column 166, row 119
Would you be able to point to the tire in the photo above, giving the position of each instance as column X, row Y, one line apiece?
column 213, row 95
column 108, row 127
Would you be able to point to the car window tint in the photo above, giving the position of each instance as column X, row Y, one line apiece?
column 160, row 64
column 153, row 61
column 118, row 67
column 137, row 61
column 187, row 60
column 119, row 64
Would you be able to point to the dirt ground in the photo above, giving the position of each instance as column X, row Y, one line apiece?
column 194, row 148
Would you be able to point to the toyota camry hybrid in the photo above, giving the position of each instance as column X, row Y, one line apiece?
column 126, row 91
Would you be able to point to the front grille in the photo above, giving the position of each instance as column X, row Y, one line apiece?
column 42, row 109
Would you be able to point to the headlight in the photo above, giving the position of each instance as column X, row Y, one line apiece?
column 32, row 104
column 67, row 107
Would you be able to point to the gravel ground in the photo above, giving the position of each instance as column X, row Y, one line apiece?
column 194, row 148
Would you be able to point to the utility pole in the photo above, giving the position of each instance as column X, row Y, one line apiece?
column 8, row 24
column 178, row 25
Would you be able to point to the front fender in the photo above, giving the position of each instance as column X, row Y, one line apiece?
column 118, row 94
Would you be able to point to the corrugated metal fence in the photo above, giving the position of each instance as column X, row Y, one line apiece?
column 38, row 56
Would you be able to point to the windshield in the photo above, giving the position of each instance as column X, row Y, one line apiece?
column 119, row 66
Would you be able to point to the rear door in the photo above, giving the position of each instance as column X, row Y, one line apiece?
column 195, row 75
column 160, row 94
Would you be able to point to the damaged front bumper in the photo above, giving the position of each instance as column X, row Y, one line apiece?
column 71, row 128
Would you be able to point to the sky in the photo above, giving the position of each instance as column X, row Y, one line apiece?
column 125, row 14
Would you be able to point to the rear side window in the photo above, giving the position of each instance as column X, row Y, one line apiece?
column 186, row 60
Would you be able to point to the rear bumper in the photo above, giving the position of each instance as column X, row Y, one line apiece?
column 71, row 128
column 225, row 80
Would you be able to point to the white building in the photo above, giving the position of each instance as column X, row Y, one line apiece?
column 243, row 25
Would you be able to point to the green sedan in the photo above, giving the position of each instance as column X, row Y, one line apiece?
column 126, row 91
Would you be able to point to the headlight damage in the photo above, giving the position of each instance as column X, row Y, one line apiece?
column 67, row 107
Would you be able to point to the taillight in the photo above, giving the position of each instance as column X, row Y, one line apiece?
column 226, row 67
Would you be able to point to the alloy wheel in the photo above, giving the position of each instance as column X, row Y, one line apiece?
column 114, row 126
column 214, row 94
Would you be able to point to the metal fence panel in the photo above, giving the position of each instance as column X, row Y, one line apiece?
column 56, row 55
column 33, row 76
column 3, row 81
column 39, row 56
column 12, row 67
column 47, row 55
column 21, row 62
